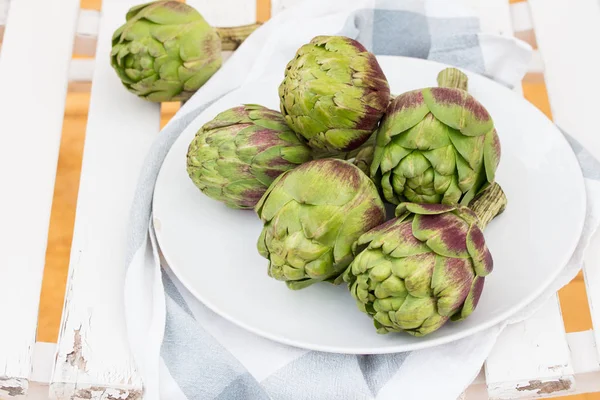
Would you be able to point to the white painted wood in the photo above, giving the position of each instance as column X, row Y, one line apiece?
column 82, row 69
column 537, row 62
column 532, row 358
column 87, row 32
column 93, row 357
column 567, row 35
column 30, row 129
column 521, row 16
column 573, row 93
column 586, row 361
column 591, row 272
column 43, row 362
column 227, row 12
column 88, row 23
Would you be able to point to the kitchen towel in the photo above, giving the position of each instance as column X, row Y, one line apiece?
column 185, row 351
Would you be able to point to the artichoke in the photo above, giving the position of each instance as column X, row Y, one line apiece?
column 236, row 156
column 436, row 145
column 312, row 215
column 165, row 51
column 334, row 93
column 415, row 272
column 364, row 158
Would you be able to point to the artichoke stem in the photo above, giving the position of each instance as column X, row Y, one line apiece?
column 490, row 203
column 232, row 37
column 452, row 78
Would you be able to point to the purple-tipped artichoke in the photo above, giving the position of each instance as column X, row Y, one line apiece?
column 312, row 215
column 334, row 93
column 436, row 145
column 236, row 156
column 165, row 51
column 415, row 272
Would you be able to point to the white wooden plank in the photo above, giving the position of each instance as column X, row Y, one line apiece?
column 93, row 357
column 82, row 69
column 226, row 12
column 32, row 100
column 87, row 32
column 585, row 361
column 43, row 362
column 591, row 272
column 532, row 358
column 567, row 35
column 537, row 62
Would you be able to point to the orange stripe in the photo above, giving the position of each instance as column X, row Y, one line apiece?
column 537, row 94
column 263, row 10
column 62, row 217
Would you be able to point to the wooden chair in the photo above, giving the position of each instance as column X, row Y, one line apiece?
column 91, row 360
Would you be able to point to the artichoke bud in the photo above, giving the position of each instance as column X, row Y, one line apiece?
column 415, row 272
column 236, row 156
column 312, row 215
column 436, row 145
column 165, row 51
column 334, row 93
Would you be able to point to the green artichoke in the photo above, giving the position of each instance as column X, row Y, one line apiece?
column 435, row 145
column 236, row 156
column 364, row 158
column 334, row 93
column 415, row 272
column 312, row 215
column 165, row 51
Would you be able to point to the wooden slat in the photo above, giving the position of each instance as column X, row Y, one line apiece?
column 574, row 92
column 591, row 272
column 531, row 358
column 87, row 32
column 567, row 35
column 33, row 82
column 93, row 357
column 585, row 362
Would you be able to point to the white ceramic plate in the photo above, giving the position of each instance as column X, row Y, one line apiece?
column 212, row 249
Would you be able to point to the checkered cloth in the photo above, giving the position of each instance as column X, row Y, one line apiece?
column 185, row 351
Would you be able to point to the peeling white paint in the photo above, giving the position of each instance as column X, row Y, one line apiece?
column 30, row 37
column 93, row 352
column 12, row 388
column 530, row 355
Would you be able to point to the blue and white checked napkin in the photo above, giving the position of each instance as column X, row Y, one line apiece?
column 185, row 351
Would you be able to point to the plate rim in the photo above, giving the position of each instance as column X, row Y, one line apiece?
column 417, row 345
